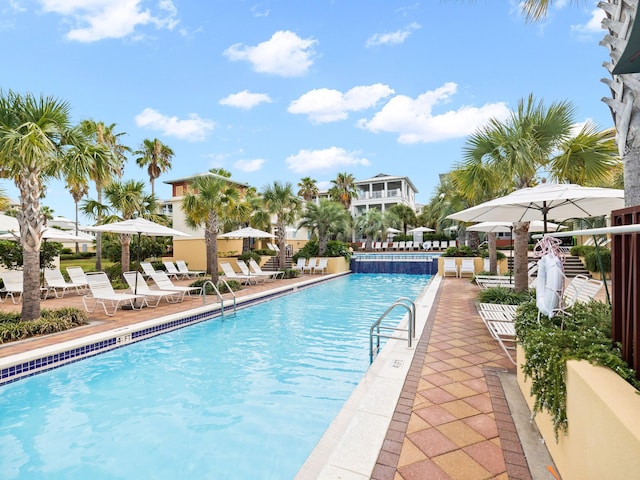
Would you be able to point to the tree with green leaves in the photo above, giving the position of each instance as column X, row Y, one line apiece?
column 325, row 219
column 156, row 156
column 34, row 133
column 405, row 214
column 126, row 200
column 308, row 188
column 371, row 224
column 280, row 200
column 209, row 201
column 343, row 189
column 105, row 167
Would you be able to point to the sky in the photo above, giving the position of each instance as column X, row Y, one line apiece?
column 285, row 89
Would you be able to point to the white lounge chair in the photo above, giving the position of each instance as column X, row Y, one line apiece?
column 409, row 245
column 12, row 284
column 436, row 245
column 139, row 286
column 300, row 264
column 229, row 272
column 257, row 270
column 147, row 269
column 505, row 334
column 163, row 282
column 101, row 292
column 311, row 264
column 490, row 281
column 321, row 266
column 77, row 277
column 449, row 266
column 59, row 286
column 172, row 271
column 184, row 270
column 467, row 265
column 244, row 269
column 453, row 243
column 401, row 245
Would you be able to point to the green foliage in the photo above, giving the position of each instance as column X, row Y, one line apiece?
column 591, row 260
column 11, row 253
column 265, row 252
column 229, row 254
column 291, row 273
column 12, row 328
column 150, row 247
column 336, row 248
column 247, row 255
column 582, row 250
column 584, row 333
column 309, row 250
column 75, row 256
column 462, row 251
column 502, row 295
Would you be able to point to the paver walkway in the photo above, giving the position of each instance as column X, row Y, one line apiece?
column 452, row 421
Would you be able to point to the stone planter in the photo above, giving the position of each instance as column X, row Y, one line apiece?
column 337, row 265
column 603, row 413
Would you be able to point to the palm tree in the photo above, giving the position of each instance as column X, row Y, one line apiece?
column 405, row 214
column 279, row 200
column 344, row 189
column 127, row 200
column 519, row 148
column 78, row 187
column 209, row 201
column 308, row 188
column 625, row 89
column 156, row 156
column 33, row 134
column 371, row 224
column 105, row 167
column 325, row 219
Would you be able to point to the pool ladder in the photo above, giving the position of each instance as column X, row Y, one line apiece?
column 218, row 294
column 376, row 327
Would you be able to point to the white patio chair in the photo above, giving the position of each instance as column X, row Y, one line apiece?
column 321, row 266
column 409, row 245
column 184, row 270
column 163, row 282
column 77, row 276
column 449, row 266
column 59, row 286
column 505, row 334
column 229, row 272
column 467, row 265
column 313, row 261
column 300, row 264
column 147, row 269
column 453, row 243
column 436, row 245
column 138, row 285
column 257, row 270
column 172, row 271
column 12, row 284
column 101, row 292
column 245, row 271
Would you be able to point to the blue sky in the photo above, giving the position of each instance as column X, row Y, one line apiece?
column 279, row 90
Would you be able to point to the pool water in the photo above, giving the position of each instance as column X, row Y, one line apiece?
column 244, row 397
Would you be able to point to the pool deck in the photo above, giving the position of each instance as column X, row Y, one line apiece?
column 457, row 413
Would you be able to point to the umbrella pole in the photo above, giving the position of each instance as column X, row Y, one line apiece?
column 135, row 290
column 511, row 254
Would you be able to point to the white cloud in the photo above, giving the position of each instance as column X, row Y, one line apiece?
column 393, row 38
column 249, row 165
column 414, row 122
column 94, row 20
column 192, row 129
column 330, row 158
column 285, row 54
column 594, row 25
column 325, row 105
column 245, row 99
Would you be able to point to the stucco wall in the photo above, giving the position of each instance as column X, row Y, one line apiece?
column 603, row 412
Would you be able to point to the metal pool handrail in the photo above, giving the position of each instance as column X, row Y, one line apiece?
column 411, row 309
column 215, row 289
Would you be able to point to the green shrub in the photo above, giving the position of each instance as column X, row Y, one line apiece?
column 50, row 321
column 505, row 296
column 584, row 333
column 247, row 255
column 265, row 252
column 222, row 288
column 591, row 260
column 462, row 251
column 336, row 248
column 291, row 273
column 582, row 250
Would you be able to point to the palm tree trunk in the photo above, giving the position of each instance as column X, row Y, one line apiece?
column 493, row 253
column 211, row 240
column 520, row 259
column 99, row 234
column 282, row 240
column 632, row 174
column 125, row 256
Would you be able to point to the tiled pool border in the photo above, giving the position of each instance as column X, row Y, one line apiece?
column 16, row 367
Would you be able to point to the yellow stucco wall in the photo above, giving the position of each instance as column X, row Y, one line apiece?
column 603, row 412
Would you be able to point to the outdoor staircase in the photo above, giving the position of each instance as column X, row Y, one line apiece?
column 272, row 264
column 572, row 266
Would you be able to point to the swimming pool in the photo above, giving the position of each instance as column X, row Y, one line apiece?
column 242, row 397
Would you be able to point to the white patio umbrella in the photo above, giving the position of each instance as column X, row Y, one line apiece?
column 421, row 229
column 247, row 232
column 138, row 226
column 534, row 226
column 548, row 200
column 393, row 230
column 8, row 224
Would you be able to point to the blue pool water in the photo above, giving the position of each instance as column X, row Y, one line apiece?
column 244, row 397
